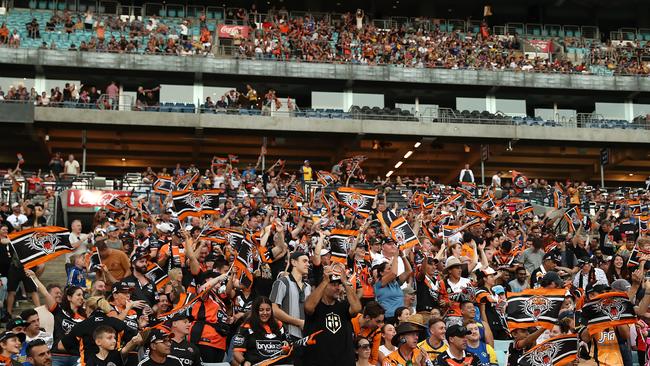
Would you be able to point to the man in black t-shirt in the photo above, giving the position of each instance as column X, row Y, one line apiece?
column 159, row 350
column 181, row 348
column 144, row 289
column 333, row 318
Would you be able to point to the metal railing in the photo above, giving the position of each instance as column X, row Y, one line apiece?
column 440, row 115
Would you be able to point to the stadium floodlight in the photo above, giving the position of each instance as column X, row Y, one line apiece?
column 389, row 174
column 408, row 154
column 417, row 144
column 399, row 164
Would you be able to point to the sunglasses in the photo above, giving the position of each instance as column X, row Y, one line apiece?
column 364, row 346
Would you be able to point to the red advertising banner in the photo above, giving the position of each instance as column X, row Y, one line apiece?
column 230, row 31
column 92, row 197
column 540, row 45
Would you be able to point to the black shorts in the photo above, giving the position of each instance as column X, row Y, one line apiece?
column 15, row 277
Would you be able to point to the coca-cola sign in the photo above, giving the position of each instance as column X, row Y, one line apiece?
column 92, row 197
column 230, row 31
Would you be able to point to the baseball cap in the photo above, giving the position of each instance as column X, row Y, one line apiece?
column 552, row 256
column 297, row 254
column 157, row 335
column 598, row 287
column 7, row 334
column 165, row 227
column 178, row 316
column 140, row 252
column 552, row 277
column 15, row 204
column 621, row 285
column 498, row 290
column 112, row 228
column 15, row 323
column 121, row 286
column 457, row 331
column 408, row 290
column 324, row 251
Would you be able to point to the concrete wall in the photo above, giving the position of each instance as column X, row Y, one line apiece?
column 317, row 125
column 610, row 110
column 203, row 65
column 177, row 93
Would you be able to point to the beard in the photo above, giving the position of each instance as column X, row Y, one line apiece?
column 141, row 269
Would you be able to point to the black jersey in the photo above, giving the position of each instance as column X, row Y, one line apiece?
column 257, row 346
column 169, row 361
column 186, row 352
column 63, row 324
column 468, row 359
column 335, row 323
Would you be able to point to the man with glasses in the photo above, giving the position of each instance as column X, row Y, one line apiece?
column 160, row 350
column 38, row 353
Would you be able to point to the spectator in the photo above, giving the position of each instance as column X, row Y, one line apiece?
column 77, row 273
column 288, row 296
column 33, row 329
column 261, row 325
column 71, row 167
column 4, row 34
column 435, row 345
column 38, row 353
column 10, row 344
column 115, row 264
column 324, row 312
column 466, row 175
column 520, row 282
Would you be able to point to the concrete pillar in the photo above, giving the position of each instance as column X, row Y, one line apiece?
column 39, row 83
column 197, row 93
column 491, row 103
column 555, row 115
column 629, row 110
column 348, row 100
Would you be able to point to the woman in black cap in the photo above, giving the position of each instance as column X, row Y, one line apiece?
column 261, row 327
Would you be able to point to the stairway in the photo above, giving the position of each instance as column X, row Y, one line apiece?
column 54, row 273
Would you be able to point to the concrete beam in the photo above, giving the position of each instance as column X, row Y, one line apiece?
column 120, row 119
column 152, row 63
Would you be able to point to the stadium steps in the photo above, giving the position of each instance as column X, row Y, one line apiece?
column 54, row 273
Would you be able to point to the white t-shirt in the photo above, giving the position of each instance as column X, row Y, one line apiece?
column 458, row 286
column 83, row 246
column 17, row 221
column 496, row 181
column 71, row 167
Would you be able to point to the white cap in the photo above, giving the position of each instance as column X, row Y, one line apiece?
column 324, row 251
column 15, row 204
column 165, row 227
column 379, row 260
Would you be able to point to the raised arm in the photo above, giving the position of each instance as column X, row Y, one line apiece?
column 49, row 300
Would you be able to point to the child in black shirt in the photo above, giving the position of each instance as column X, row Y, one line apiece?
column 106, row 340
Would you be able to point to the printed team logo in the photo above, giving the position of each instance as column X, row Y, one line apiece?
column 185, row 180
column 543, row 355
column 612, row 307
column 333, row 322
column 521, row 182
column 355, row 200
column 197, row 201
column 536, row 306
column 400, row 236
column 44, row 242
column 268, row 348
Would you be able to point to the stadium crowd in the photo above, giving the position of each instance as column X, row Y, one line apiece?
column 282, row 265
column 351, row 39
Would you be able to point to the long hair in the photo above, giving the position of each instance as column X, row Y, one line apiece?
column 611, row 271
column 254, row 317
column 98, row 302
column 65, row 303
